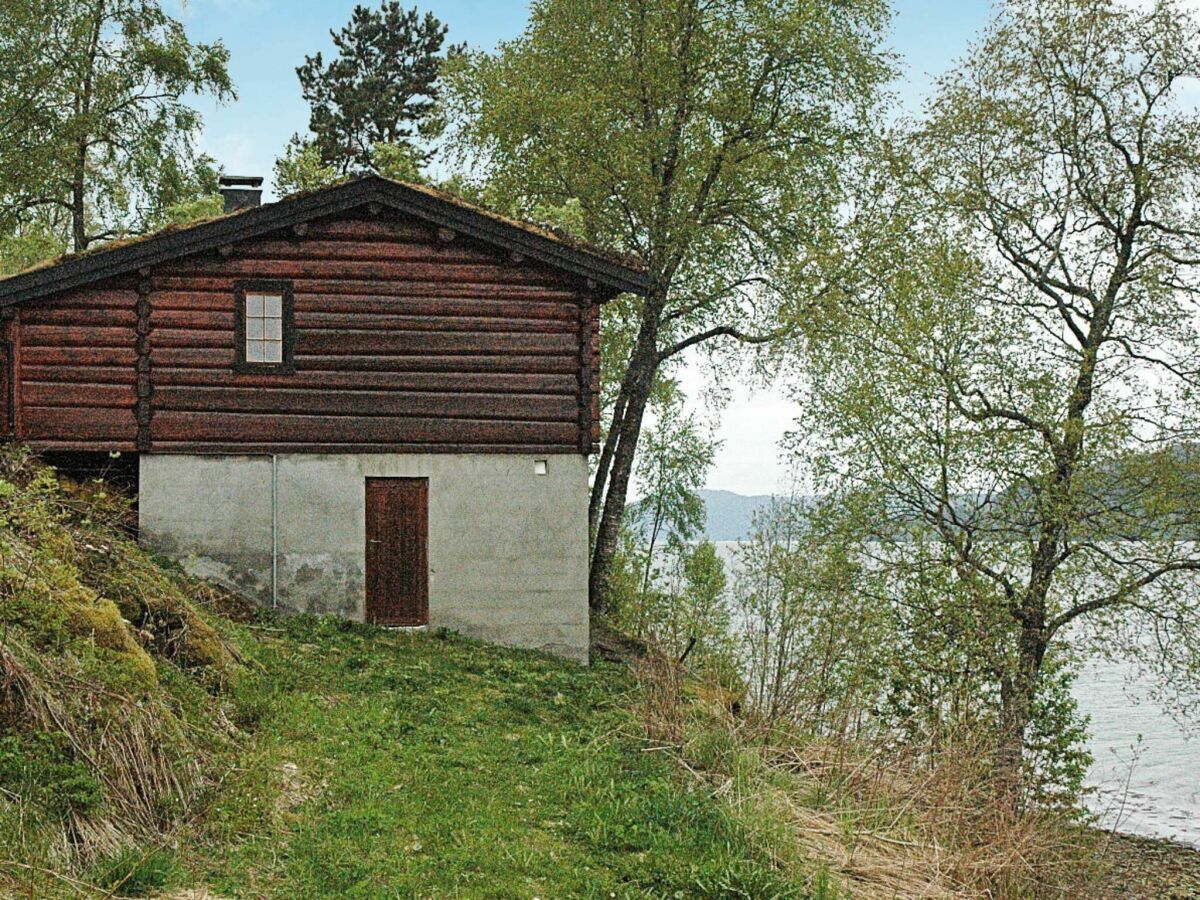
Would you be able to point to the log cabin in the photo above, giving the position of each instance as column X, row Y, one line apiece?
column 372, row 400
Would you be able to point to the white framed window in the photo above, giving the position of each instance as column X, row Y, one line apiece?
column 265, row 332
column 264, row 328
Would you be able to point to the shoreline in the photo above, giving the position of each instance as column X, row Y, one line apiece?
column 1136, row 867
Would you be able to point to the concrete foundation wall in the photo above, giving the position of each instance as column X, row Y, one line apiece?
column 508, row 549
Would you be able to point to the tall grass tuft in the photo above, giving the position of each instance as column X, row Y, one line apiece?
column 110, row 675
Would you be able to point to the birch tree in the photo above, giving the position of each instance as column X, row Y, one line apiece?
column 705, row 136
column 103, row 136
column 1013, row 374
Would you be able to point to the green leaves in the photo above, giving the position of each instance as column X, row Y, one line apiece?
column 99, row 138
column 709, row 138
column 380, row 89
column 1016, row 352
column 682, row 130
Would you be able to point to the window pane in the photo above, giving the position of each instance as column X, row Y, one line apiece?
column 263, row 323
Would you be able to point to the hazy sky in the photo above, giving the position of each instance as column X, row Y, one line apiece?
column 267, row 39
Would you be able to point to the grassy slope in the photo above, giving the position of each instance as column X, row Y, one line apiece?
column 438, row 767
column 363, row 763
column 147, row 744
column 110, row 679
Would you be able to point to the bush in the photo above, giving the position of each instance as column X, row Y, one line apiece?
column 859, row 817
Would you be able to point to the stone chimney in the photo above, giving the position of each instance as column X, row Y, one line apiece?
column 241, row 191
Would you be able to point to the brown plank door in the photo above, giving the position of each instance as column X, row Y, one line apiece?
column 398, row 551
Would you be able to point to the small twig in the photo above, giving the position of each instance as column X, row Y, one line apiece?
column 686, row 653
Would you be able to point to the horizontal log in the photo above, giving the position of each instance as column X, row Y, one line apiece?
column 72, row 336
column 223, row 321
column 77, row 424
column 380, row 343
column 340, row 341
column 381, row 305
column 178, row 357
column 191, row 358
column 370, row 251
column 41, row 393
column 173, row 307
column 111, row 317
column 260, row 447
column 440, row 382
column 307, row 320
column 206, row 319
column 184, row 300
column 261, row 427
column 192, row 337
column 370, row 229
column 500, row 290
column 89, row 298
column 371, row 271
column 78, row 374
column 305, row 403
column 475, row 363
column 107, row 445
column 79, row 356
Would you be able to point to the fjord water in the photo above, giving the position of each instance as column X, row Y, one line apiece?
column 1146, row 772
column 1145, row 776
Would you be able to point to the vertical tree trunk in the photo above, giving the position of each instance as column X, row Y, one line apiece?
column 83, row 111
column 1017, row 693
column 639, row 379
column 654, row 529
column 79, row 239
column 604, row 464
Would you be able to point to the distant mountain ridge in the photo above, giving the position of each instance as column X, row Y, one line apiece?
column 730, row 516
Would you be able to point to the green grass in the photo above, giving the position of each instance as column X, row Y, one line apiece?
column 435, row 767
column 359, row 762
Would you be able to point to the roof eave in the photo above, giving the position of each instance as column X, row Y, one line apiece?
column 204, row 236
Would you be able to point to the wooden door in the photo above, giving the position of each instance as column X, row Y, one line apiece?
column 398, row 551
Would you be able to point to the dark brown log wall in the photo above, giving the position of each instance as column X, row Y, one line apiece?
column 7, row 328
column 75, row 357
column 405, row 340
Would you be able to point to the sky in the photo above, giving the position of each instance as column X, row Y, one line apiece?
column 267, row 39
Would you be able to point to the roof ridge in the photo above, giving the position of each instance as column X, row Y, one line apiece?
column 618, row 272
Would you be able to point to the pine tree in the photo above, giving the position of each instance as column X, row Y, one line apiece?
column 380, row 89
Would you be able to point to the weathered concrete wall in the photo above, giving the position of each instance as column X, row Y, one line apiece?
column 508, row 549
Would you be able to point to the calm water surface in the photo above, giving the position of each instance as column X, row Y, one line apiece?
column 1147, row 767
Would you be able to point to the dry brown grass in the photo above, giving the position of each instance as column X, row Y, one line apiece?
column 93, row 637
column 138, row 756
column 884, row 821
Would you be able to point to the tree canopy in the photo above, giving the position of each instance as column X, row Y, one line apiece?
column 381, row 87
column 99, row 136
column 1009, row 381
column 706, row 136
